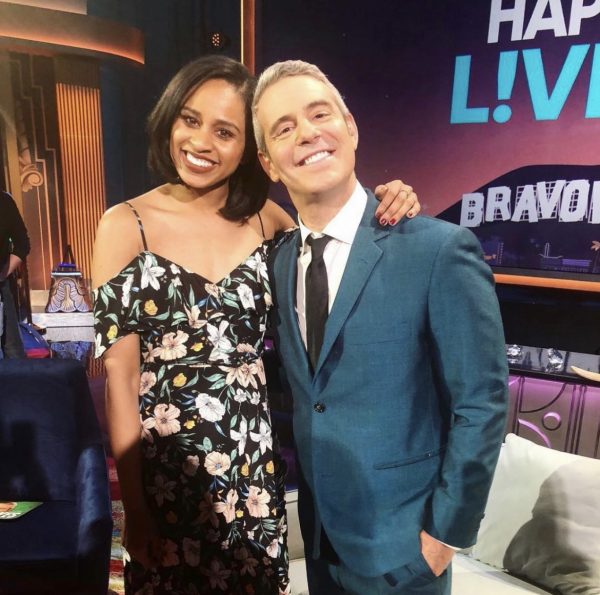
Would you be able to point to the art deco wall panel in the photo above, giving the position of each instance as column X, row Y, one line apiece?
column 560, row 415
column 34, row 121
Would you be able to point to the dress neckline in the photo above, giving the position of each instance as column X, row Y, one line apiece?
column 185, row 269
column 200, row 275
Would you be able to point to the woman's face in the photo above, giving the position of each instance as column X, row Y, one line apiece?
column 208, row 135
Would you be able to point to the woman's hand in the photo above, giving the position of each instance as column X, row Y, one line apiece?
column 141, row 539
column 397, row 200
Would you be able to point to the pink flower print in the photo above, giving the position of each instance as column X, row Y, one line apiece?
column 206, row 508
column 242, row 374
column 191, row 551
column 217, row 574
column 191, row 465
column 162, row 489
column 247, row 561
column 257, row 502
column 147, row 381
column 227, row 508
column 166, row 419
column 172, row 347
column 193, row 315
column 169, row 553
column 258, row 368
column 273, row 548
column 217, row 463
column 147, row 424
column 212, row 289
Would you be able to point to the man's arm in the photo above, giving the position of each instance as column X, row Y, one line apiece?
column 468, row 345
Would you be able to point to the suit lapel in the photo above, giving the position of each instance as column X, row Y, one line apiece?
column 364, row 255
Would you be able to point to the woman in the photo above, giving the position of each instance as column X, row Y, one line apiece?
column 181, row 306
column 14, row 247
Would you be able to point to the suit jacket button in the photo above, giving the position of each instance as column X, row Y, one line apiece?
column 319, row 407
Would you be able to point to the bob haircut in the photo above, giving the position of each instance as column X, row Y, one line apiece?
column 248, row 184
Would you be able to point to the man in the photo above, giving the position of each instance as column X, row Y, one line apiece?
column 400, row 398
column 14, row 247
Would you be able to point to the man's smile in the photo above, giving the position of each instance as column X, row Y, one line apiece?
column 315, row 157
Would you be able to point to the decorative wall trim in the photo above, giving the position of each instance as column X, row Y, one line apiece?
column 40, row 30
column 248, row 33
column 77, row 6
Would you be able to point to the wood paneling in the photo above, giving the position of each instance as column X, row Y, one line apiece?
column 80, row 131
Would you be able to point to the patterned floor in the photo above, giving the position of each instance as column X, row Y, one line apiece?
column 115, row 583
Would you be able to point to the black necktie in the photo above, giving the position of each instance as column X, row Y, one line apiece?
column 317, row 297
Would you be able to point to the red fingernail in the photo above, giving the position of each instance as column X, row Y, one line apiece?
column 392, row 222
column 383, row 221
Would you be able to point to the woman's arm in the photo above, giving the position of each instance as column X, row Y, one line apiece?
column 116, row 245
column 397, row 201
column 123, row 417
column 275, row 219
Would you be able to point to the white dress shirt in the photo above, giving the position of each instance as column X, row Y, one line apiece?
column 342, row 229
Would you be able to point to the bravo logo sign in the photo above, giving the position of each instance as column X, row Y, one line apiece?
column 547, row 101
column 561, row 200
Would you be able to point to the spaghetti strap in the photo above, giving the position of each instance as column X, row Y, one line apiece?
column 140, row 224
column 262, row 227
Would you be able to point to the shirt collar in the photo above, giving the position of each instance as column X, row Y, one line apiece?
column 344, row 225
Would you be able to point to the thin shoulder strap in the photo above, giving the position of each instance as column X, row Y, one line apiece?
column 262, row 227
column 140, row 224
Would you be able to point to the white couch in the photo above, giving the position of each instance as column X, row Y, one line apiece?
column 534, row 489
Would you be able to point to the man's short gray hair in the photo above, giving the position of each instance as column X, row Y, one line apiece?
column 281, row 70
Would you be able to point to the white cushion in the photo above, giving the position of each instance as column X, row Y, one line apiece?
column 542, row 520
column 470, row 577
column 295, row 546
column 294, row 539
column 298, row 578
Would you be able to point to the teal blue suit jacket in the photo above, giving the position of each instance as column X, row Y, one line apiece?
column 411, row 385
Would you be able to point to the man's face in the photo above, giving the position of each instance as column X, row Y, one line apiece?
column 310, row 143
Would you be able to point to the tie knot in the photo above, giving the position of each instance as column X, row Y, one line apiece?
column 317, row 246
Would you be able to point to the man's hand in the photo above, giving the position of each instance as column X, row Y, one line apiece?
column 436, row 554
column 397, row 200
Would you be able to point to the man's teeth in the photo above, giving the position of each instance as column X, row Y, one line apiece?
column 198, row 161
column 316, row 157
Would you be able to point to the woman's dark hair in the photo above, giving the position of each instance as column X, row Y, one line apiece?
column 248, row 185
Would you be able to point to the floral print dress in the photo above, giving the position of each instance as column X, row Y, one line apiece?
column 212, row 476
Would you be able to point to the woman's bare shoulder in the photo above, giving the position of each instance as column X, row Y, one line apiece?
column 118, row 241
